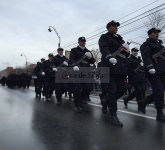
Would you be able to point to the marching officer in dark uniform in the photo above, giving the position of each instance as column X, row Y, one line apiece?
column 114, row 56
column 49, row 68
column 80, row 57
column 37, row 82
column 3, row 81
column 11, row 80
column 153, row 54
column 61, row 62
column 136, row 77
column 38, row 78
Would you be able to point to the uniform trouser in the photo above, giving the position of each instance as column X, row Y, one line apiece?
column 69, row 88
column 88, row 87
column 80, row 92
column 28, row 83
column 149, row 99
column 24, row 83
column 59, row 90
column 131, row 95
column 158, row 86
column 115, row 90
column 103, row 94
column 128, row 88
column 48, row 86
column 139, row 92
column 38, row 86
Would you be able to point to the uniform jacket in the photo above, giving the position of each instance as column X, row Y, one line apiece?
column 77, row 57
column 135, row 70
column 59, row 60
column 148, row 49
column 38, row 69
column 109, row 44
column 48, row 68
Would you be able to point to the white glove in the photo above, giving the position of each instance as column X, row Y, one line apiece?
column 88, row 55
column 113, row 61
column 34, row 77
column 76, row 68
column 152, row 71
column 65, row 63
column 43, row 73
column 54, row 69
column 142, row 64
column 91, row 65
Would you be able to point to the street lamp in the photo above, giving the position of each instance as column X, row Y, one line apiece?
column 59, row 38
column 22, row 54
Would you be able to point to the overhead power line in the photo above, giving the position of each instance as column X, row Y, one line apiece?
column 125, row 23
column 118, row 19
column 125, row 16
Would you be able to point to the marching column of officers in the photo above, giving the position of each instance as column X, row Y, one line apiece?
column 122, row 66
column 15, row 80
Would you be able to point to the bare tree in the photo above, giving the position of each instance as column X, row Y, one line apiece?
column 157, row 20
column 97, row 55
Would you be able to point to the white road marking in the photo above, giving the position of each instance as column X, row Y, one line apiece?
column 119, row 100
column 123, row 111
column 127, row 112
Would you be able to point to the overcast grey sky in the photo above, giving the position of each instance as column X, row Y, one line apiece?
column 24, row 24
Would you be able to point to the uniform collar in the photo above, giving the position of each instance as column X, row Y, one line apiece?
column 60, row 55
column 113, row 35
column 152, row 40
column 135, row 56
column 83, row 48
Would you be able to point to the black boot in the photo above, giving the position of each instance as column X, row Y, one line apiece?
column 125, row 102
column 36, row 95
column 115, row 120
column 59, row 101
column 143, row 104
column 142, row 107
column 104, row 104
column 70, row 97
column 39, row 96
column 88, row 99
column 104, row 109
column 48, row 98
column 160, row 116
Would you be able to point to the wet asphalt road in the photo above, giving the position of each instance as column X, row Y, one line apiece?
column 30, row 124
